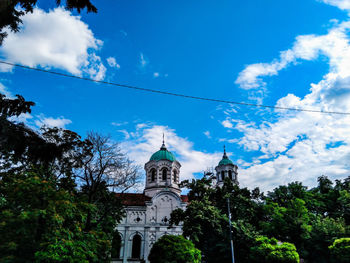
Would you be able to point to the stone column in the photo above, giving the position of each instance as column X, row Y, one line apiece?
column 126, row 245
column 146, row 244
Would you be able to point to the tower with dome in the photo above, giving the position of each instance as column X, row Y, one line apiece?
column 147, row 214
column 226, row 169
column 162, row 173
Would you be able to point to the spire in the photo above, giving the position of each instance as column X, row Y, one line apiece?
column 225, row 156
column 163, row 144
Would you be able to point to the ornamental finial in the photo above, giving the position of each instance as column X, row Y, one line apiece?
column 225, row 156
column 163, row 145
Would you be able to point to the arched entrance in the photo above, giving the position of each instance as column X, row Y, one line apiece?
column 136, row 246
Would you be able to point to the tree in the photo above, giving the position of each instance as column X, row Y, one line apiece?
column 200, row 188
column 12, row 10
column 22, row 147
column 44, row 215
column 205, row 226
column 271, row 251
column 205, row 221
column 174, row 249
column 105, row 162
column 246, row 210
column 290, row 223
column 340, row 250
column 286, row 193
column 40, row 222
column 105, row 167
column 245, row 205
column 324, row 232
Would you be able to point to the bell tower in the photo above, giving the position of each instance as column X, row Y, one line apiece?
column 226, row 169
column 162, row 172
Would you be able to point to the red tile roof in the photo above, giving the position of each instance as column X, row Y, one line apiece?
column 133, row 199
column 184, row 198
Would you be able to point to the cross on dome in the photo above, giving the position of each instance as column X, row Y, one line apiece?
column 225, row 160
column 163, row 144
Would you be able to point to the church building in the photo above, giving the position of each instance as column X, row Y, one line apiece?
column 147, row 214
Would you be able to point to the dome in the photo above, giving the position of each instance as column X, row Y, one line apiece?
column 225, row 160
column 163, row 154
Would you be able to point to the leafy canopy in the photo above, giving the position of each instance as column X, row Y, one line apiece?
column 50, row 209
column 174, row 249
column 340, row 249
column 268, row 250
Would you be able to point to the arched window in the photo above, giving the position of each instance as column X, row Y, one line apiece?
column 164, row 174
column 223, row 175
column 153, row 175
column 230, row 174
column 116, row 244
column 175, row 176
column 136, row 246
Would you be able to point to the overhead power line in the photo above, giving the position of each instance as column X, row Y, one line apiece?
column 172, row 93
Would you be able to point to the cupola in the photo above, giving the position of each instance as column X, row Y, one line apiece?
column 162, row 172
column 163, row 154
column 226, row 169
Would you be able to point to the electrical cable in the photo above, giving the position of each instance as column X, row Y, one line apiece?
column 172, row 93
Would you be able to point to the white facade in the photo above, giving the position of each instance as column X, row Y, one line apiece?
column 148, row 214
column 149, row 222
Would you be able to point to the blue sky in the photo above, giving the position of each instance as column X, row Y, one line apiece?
column 292, row 53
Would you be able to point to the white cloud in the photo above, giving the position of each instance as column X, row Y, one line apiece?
column 207, row 134
column 227, row 124
column 55, row 39
column 333, row 45
column 125, row 133
column 156, row 74
column 60, row 122
column 342, row 4
column 112, row 62
column 94, row 67
column 5, row 68
column 117, row 124
column 22, row 118
column 141, row 126
column 297, row 147
column 143, row 60
column 6, row 92
column 300, row 146
column 147, row 139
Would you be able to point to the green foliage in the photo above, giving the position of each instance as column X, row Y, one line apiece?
column 200, row 188
column 340, row 250
column 311, row 219
column 54, row 148
column 44, row 216
column 205, row 221
column 324, row 232
column 288, row 223
column 41, row 223
column 203, row 224
column 271, row 251
column 174, row 249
